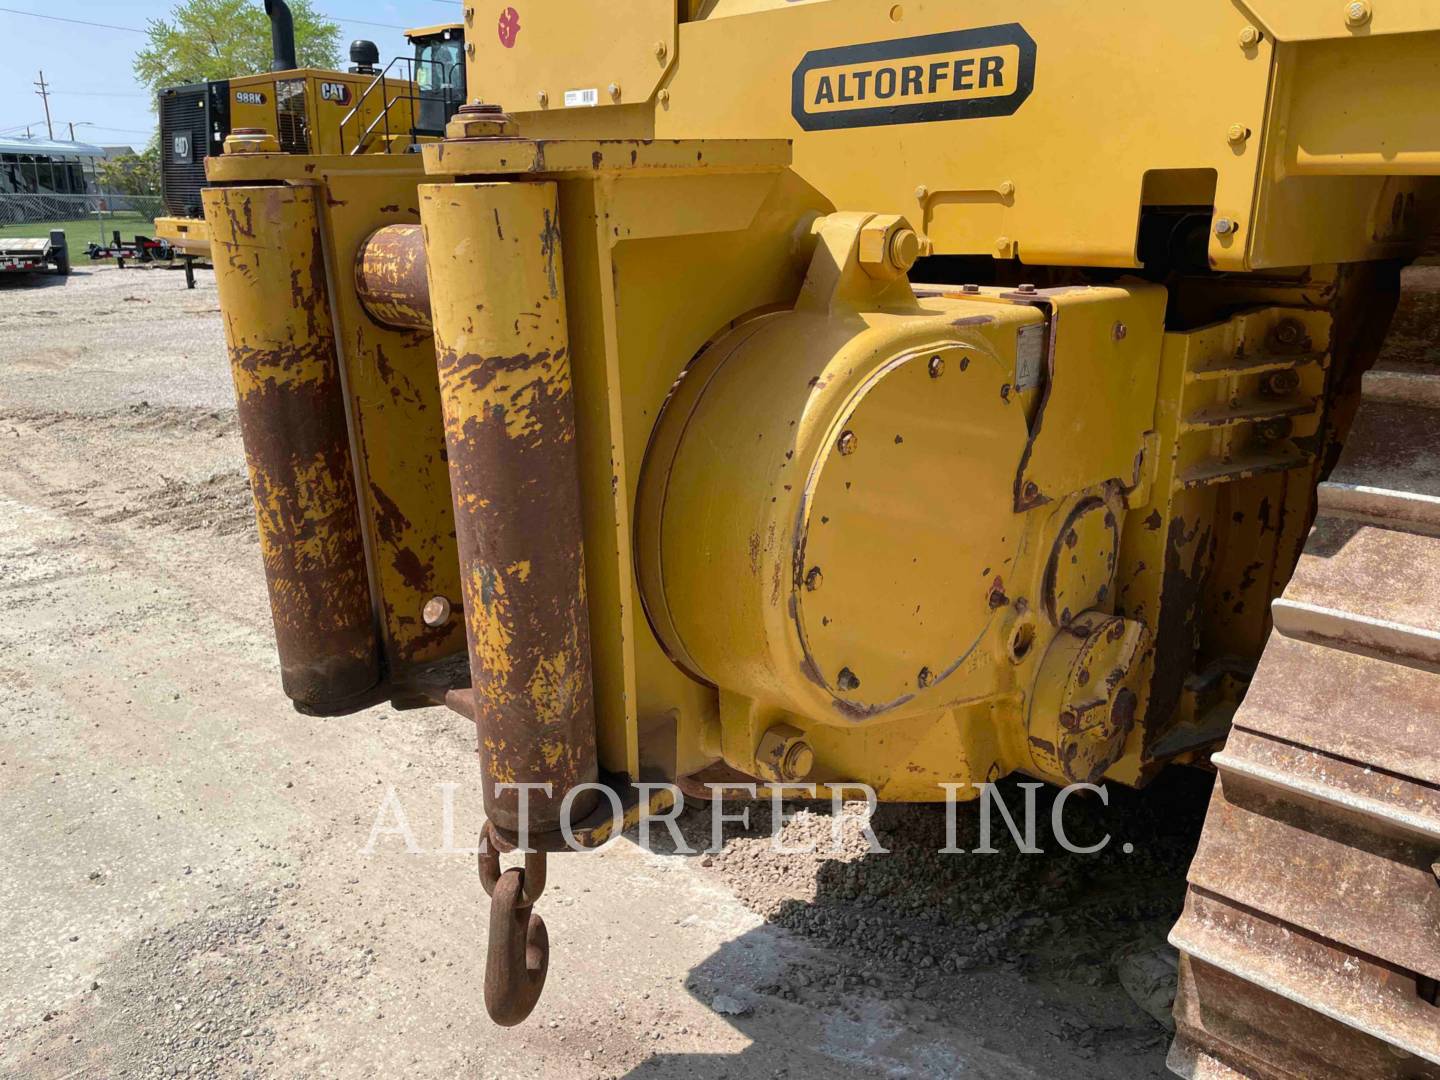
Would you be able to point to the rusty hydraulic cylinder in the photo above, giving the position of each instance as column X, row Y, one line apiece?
column 270, row 274
column 390, row 277
column 502, row 347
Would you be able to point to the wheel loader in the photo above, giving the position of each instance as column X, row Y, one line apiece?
column 906, row 394
column 368, row 109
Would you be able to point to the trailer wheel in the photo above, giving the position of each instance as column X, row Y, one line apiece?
column 60, row 250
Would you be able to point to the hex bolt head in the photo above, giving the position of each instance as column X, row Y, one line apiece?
column 936, row 367
column 814, row 579
column 1269, row 431
column 783, row 754
column 614, row 89
column 1225, row 227
column 799, row 760
column 1288, row 334
column 847, row 680
column 542, row 97
column 921, row 193
column 1007, row 189
column 660, row 50
column 904, row 249
column 1002, row 245
column 1280, row 383
column 1237, row 135
column 1119, row 331
column 1249, row 37
column 1027, row 289
column 436, row 611
column 1357, row 13
column 970, row 289
column 847, row 442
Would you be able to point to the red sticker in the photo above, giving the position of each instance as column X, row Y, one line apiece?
column 509, row 27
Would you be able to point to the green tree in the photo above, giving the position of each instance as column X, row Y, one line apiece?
column 223, row 39
column 131, row 174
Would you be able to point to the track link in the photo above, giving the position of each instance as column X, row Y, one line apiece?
column 1310, row 939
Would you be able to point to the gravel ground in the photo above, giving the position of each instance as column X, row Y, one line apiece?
column 184, row 885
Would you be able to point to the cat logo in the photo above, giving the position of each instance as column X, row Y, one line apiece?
column 180, row 149
column 952, row 76
column 337, row 92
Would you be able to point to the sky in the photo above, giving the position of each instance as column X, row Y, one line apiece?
column 88, row 68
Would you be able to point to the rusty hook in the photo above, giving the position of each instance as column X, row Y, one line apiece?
column 519, row 953
column 519, row 949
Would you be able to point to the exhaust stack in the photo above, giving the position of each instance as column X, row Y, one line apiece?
column 282, row 36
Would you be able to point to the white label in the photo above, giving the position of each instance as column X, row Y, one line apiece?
column 1030, row 344
column 582, row 97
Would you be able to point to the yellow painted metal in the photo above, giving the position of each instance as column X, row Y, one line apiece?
column 1340, row 120
column 190, row 235
column 433, row 30
column 602, row 156
column 1311, row 20
column 390, row 277
column 1098, row 388
column 503, row 354
column 953, row 400
column 516, row 62
column 1216, row 525
column 327, row 97
column 393, row 405
column 827, row 487
column 270, row 277
column 904, row 524
column 987, row 185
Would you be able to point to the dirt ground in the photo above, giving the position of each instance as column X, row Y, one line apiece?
column 184, row 882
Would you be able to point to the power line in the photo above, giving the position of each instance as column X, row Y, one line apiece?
column 137, row 30
column 127, row 131
column 94, row 93
column 78, row 22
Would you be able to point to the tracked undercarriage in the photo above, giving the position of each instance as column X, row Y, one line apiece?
column 1311, row 934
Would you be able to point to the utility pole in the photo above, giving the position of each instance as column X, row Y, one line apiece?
column 44, row 93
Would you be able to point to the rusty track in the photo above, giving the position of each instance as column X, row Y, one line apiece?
column 1310, row 939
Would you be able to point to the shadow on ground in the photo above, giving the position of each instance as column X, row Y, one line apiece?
column 917, row 963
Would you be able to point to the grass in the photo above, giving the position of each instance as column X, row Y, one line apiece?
column 85, row 230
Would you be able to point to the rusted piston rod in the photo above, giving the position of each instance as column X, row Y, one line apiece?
column 390, row 277
column 502, row 348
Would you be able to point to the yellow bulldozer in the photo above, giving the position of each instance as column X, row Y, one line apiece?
column 897, row 393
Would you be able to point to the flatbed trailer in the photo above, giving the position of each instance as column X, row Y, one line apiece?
column 27, row 254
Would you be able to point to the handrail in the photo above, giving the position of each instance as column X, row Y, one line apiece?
column 446, row 96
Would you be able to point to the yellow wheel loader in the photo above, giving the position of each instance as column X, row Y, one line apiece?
column 904, row 394
column 365, row 110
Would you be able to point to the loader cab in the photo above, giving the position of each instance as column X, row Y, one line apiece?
column 439, row 63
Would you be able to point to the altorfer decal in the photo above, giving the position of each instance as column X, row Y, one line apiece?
column 957, row 75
